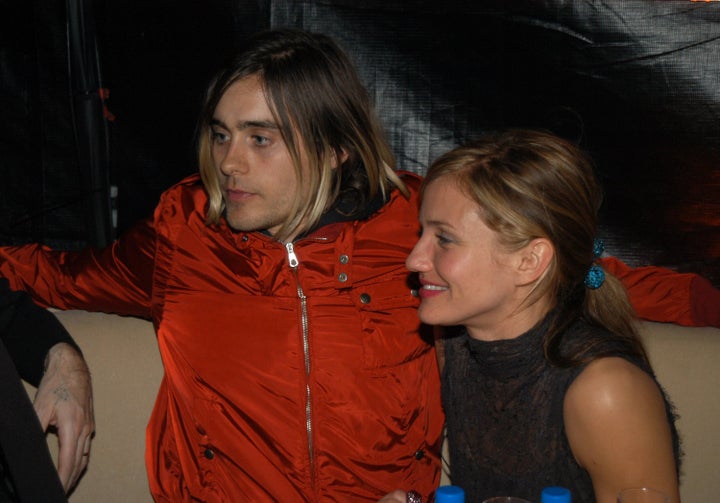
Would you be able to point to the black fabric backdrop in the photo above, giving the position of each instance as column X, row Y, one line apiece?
column 636, row 83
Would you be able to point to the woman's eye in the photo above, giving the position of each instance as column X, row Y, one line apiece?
column 443, row 240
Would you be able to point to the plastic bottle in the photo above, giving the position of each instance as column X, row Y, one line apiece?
column 449, row 494
column 555, row 494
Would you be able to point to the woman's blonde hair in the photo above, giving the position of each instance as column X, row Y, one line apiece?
column 321, row 108
column 531, row 184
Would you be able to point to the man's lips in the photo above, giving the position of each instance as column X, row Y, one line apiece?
column 238, row 194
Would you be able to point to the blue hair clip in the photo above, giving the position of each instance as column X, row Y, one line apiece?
column 598, row 248
column 595, row 277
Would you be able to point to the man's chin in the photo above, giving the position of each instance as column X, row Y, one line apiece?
column 243, row 225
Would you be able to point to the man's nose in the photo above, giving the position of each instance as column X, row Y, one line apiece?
column 235, row 160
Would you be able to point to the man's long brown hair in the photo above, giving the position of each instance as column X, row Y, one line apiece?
column 321, row 107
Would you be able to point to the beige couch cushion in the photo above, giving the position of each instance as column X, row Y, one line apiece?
column 126, row 370
column 124, row 360
column 687, row 364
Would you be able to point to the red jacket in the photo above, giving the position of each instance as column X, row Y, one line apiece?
column 660, row 294
column 285, row 384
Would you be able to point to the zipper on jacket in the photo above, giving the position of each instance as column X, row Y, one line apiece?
column 294, row 263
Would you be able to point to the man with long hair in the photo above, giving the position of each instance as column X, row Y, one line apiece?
column 295, row 369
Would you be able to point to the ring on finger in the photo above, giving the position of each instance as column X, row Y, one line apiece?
column 413, row 497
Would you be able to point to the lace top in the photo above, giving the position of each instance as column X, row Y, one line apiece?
column 504, row 406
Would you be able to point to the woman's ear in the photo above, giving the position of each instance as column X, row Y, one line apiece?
column 535, row 259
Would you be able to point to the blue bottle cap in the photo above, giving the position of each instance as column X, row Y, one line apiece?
column 449, row 494
column 555, row 495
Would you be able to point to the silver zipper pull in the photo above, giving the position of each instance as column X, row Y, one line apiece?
column 292, row 258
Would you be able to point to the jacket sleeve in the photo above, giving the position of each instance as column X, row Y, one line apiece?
column 116, row 279
column 664, row 295
column 28, row 332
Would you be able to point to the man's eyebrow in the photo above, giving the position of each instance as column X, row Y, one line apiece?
column 264, row 124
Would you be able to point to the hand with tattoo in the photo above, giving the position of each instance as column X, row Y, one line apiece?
column 64, row 401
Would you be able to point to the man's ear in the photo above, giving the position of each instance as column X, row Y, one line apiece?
column 535, row 259
column 334, row 158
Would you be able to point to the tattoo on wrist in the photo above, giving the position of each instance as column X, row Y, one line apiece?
column 62, row 393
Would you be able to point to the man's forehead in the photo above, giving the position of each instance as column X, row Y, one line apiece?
column 244, row 104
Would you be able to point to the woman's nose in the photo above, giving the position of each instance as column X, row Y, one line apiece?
column 418, row 260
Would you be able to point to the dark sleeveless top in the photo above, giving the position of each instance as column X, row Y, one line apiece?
column 504, row 407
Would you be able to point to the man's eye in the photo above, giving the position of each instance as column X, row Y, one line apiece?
column 218, row 137
column 261, row 140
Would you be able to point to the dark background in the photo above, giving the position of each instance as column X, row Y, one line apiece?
column 636, row 83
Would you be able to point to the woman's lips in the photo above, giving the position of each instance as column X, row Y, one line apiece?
column 431, row 290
